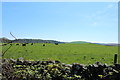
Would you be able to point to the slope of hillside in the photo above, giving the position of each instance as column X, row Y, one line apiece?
column 68, row 53
column 79, row 42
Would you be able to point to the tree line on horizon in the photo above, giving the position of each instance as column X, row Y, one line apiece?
column 6, row 40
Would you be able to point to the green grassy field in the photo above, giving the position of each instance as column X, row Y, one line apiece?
column 67, row 53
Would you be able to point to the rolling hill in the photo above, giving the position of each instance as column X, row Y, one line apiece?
column 79, row 42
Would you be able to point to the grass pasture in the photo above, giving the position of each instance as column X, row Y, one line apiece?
column 66, row 53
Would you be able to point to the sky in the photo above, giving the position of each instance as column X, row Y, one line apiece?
column 60, row 0
column 62, row 21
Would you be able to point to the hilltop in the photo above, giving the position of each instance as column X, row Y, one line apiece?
column 79, row 42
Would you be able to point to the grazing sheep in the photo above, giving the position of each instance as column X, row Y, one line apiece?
column 56, row 43
column 31, row 43
column 23, row 44
column 4, row 44
column 17, row 44
column 43, row 44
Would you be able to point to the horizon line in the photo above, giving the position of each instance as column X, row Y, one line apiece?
column 64, row 40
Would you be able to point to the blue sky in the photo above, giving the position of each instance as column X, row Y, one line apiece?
column 63, row 21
